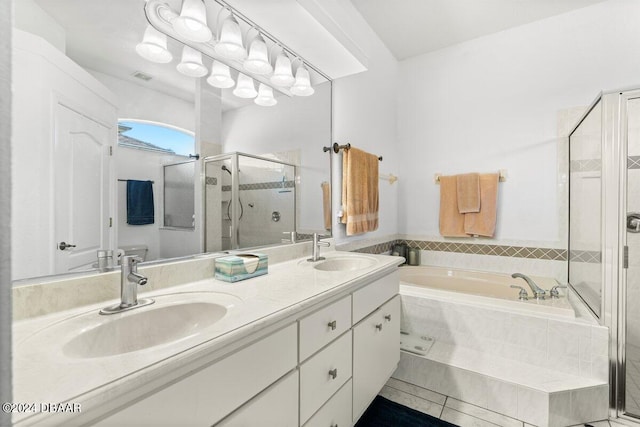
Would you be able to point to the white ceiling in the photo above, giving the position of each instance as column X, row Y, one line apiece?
column 413, row 27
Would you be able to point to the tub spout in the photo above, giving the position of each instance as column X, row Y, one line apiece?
column 538, row 292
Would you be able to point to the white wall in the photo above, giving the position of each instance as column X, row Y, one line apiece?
column 492, row 103
column 30, row 17
column 364, row 114
column 5, row 207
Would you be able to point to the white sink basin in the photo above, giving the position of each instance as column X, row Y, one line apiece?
column 173, row 318
column 345, row 263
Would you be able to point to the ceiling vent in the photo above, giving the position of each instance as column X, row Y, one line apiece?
column 142, row 76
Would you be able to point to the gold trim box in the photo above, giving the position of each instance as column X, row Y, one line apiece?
column 234, row 268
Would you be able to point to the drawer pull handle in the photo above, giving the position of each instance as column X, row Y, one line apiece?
column 333, row 373
column 332, row 325
column 388, row 318
column 379, row 326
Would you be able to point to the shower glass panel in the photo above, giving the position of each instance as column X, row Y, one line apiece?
column 585, row 209
column 179, row 195
column 250, row 201
column 632, row 334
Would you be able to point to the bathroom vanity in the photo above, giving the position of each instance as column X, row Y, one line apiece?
column 309, row 344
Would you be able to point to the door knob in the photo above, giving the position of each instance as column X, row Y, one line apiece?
column 62, row 246
column 633, row 222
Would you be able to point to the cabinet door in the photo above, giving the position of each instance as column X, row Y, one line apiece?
column 376, row 353
column 336, row 412
column 277, row 406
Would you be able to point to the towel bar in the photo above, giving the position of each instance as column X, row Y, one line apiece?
column 337, row 147
column 125, row 180
column 502, row 176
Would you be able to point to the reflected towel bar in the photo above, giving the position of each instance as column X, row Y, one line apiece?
column 502, row 176
column 125, row 180
column 337, row 147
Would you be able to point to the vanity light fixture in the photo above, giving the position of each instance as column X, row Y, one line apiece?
column 192, row 22
column 220, row 76
column 282, row 75
column 265, row 96
column 245, row 88
column 191, row 64
column 230, row 44
column 302, row 85
column 258, row 60
column 154, row 46
column 226, row 49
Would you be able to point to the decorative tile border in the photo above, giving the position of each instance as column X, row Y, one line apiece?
column 211, row 180
column 473, row 248
column 588, row 165
column 263, row 186
column 585, row 256
column 633, row 162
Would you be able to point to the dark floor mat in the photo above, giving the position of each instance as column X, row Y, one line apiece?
column 385, row 413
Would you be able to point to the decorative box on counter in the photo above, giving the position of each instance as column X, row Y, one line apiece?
column 233, row 268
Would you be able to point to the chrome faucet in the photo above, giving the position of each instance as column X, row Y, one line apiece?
column 315, row 249
column 129, row 281
column 538, row 292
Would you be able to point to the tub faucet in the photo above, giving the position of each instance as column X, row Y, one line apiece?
column 315, row 249
column 538, row 292
column 129, row 281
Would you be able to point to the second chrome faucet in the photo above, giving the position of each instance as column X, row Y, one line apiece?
column 538, row 292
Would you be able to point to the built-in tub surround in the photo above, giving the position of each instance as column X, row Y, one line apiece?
column 51, row 372
column 539, row 367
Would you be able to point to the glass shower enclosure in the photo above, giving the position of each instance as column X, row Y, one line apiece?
column 604, row 234
column 250, row 201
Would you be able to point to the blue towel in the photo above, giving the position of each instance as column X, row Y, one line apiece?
column 139, row 202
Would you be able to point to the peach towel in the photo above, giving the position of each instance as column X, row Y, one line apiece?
column 468, row 189
column 451, row 220
column 483, row 223
column 359, row 191
column 326, row 204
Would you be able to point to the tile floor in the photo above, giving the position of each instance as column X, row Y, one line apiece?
column 633, row 380
column 452, row 410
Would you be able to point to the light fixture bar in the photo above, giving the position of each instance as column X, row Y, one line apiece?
column 160, row 16
column 267, row 35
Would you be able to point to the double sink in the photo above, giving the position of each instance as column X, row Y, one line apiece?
column 174, row 317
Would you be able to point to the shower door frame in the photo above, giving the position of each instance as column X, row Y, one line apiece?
column 619, row 311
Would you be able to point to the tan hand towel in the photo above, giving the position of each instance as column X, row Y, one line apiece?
column 483, row 223
column 451, row 220
column 468, row 188
column 359, row 191
column 326, row 204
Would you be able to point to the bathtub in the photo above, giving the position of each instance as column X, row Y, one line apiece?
column 481, row 288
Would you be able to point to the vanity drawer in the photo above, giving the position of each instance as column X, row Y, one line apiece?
column 277, row 406
column 323, row 326
column 323, row 374
column 372, row 296
column 336, row 412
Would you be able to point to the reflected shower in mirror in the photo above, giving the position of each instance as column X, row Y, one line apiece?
column 250, row 201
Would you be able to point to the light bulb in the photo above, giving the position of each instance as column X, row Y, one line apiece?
column 191, row 63
column 282, row 74
column 245, row 87
column 230, row 44
column 258, row 60
column 220, row 76
column 154, row 46
column 302, row 86
column 192, row 22
column 265, row 96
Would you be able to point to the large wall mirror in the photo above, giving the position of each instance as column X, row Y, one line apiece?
column 70, row 57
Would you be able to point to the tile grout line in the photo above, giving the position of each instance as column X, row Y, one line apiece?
column 414, row 395
column 444, row 404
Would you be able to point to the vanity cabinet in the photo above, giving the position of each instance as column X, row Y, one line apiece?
column 322, row 370
column 207, row 396
column 376, row 353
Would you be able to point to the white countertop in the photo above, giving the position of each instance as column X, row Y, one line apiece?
column 43, row 374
